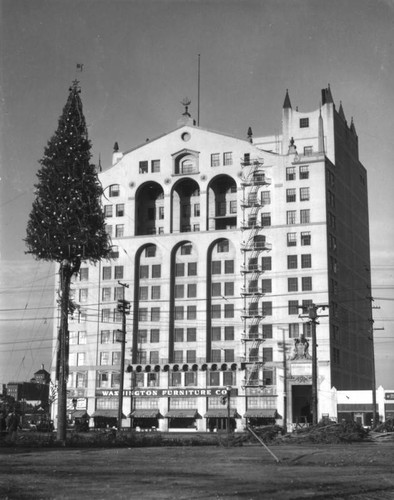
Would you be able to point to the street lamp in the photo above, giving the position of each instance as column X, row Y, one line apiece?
column 228, row 390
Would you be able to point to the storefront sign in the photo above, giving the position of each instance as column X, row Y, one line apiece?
column 165, row 393
column 389, row 395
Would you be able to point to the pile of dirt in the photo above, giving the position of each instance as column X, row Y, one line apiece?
column 333, row 433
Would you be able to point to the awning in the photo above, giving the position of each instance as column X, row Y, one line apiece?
column 148, row 413
column 182, row 414
column 260, row 413
column 220, row 413
column 107, row 414
column 79, row 414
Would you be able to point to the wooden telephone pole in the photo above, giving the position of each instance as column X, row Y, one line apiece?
column 124, row 308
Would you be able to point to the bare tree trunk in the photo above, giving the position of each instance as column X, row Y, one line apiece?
column 65, row 281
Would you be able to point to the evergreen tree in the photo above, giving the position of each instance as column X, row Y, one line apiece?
column 67, row 223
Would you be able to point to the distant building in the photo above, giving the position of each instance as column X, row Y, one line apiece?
column 225, row 244
column 36, row 390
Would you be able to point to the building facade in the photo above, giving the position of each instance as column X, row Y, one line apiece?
column 221, row 245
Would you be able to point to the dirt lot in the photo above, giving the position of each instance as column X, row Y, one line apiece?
column 355, row 471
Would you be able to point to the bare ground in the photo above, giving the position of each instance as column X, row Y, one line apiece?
column 353, row 471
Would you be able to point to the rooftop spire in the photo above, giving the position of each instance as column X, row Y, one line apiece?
column 287, row 103
column 250, row 135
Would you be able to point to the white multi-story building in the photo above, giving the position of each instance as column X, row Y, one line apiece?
column 223, row 244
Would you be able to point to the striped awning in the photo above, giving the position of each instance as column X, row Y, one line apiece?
column 181, row 413
column 145, row 413
column 107, row 414
column 221, row 413
column 260, row 413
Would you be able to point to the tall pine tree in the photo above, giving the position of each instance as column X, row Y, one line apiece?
column 67, row 224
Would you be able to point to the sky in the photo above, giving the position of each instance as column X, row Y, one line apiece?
column 140, row 60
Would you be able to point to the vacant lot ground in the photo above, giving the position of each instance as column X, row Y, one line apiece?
column 355, row 471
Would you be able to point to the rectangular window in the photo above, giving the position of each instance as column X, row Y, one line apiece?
column 155, row 314
column 294, row 330
column 180, row 269
column 216, row 333
column 216, row 289
column 304, row 172
column 229, row 267
column 227, row 159
column 116, row 358
column 265, row 198
column 179, row 291
column 268, row 377
column 118, row 293
column 267, row 331
column 108, row 229
column 215, row 160
column 143, row 314
column 144, row 272
column 266, row 219
column 216, row 355
column 118, row 272
column 291, row 195
column 192, row 290
column 306, row 260
column 84, row 274
column 307, row 284
column 304, row 122
column 73, row 338
column 120, row 210
column 186, row 249
column 216, row 267
column 191, row 334
column 290, row 174
column 155, row 335
column 143, row 293
column 307, row 329
column 229, row 310
column 292, row 262
column 306, row 305
column 105, row 336
column 114, row 190
column 105, row 315
column 191, row 312
column 106, row 273
column 155, row 166
column 293, row 307
column 305, row 238
column 178, row 334
column 229, row 288
column 117, row 316
column 214, row 379
column 196, row 210
column 192, row 269
column 308, row 150
column 266, row 263
column 216, row 311
column 233, row 207
column 292, row 284
column 266, row 308
column 155, row 292
column 82, row 337
column 304, row 194
column 178, row 356
column 179, row 312
column 154, row 357
column 81, row 380
column 267, row 354
column 143, row 167
column 156, row 271
column 191, row 356
column 229, row 378
column 305, row 216
column 291, row 216
column 83, row 295
column 190, row 377
column 81, row 358
column 229, row 355
column 266, row 286
column 108, row 211
column 176, row 379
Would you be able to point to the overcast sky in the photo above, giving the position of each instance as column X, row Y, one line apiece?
column 140, row 60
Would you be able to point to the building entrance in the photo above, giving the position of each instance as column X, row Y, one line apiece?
column 301, row 404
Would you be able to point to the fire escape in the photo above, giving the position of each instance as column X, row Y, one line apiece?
column 252, row 246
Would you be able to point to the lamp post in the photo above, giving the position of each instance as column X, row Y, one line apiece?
column 228, row 389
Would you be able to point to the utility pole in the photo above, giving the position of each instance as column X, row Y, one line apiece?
column 284, row 378
column 313, row 317
column 374, row 417
column 124, row 308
